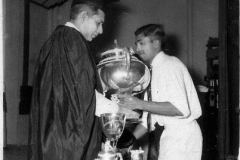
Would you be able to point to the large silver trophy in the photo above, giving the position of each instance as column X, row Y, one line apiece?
column 121, row 71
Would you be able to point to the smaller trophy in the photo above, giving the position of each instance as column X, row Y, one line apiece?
column 113, row 125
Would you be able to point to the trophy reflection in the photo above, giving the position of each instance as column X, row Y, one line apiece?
column 113, row 125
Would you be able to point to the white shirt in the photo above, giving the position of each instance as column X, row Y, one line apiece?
column 70, row 24
column 171, row 82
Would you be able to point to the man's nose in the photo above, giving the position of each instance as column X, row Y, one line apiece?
column 137, row 48
column 100, row 30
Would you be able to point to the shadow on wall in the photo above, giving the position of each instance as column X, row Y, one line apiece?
column 110, row 29
column 172, row 47
column 197, row 80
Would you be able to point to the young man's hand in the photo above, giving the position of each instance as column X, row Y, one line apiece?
column 130, row 102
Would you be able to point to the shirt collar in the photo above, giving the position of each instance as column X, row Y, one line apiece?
column 157, row 59
column 70, row 24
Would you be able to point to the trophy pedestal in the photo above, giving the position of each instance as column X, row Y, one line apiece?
column 108, row 153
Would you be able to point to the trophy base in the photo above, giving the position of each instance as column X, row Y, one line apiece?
column 109, row 153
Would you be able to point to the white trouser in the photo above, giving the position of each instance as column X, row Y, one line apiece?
column 181, row 142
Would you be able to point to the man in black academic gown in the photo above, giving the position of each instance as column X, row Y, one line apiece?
column 63, row 125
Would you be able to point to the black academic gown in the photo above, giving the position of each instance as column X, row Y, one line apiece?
column 63, row 125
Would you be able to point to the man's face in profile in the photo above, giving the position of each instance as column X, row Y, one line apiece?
column 92, row 25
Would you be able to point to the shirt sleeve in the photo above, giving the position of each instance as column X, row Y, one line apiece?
column 170, row 87
column 177, row 92
column 104, row 105
column 144, row 119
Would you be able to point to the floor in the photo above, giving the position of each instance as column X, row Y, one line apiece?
column 13, row 152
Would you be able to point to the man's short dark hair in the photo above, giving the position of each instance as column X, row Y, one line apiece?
column 89, row 6
column 153, row 31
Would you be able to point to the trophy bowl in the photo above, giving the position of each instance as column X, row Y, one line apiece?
column 120, row 71
column 113, row 125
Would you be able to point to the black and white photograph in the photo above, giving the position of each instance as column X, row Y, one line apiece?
column 119, row 80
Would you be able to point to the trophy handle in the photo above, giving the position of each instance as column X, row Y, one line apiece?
column 127, row 61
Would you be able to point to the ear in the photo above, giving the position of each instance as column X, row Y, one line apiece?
column 157, row 44
column 82, row 16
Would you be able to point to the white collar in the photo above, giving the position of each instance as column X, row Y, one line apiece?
column 156, row 60
column 70, row 24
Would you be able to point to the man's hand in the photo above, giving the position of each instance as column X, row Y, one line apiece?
column 129, row 102
column 128, row 112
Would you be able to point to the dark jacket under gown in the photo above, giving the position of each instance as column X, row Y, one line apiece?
column 63, row 125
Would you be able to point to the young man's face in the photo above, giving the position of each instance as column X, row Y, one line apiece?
column 92, row 25
column 146, row 49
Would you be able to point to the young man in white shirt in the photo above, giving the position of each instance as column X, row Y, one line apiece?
column 174, row 101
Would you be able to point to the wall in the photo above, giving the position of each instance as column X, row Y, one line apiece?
column 13, row 38
column 17, row 125
column 188, row 23
column 204, row 25
column 38, row 34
